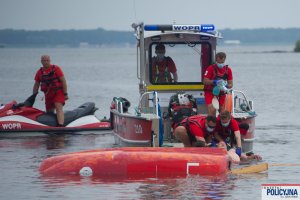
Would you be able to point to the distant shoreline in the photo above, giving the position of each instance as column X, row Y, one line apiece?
column 103, row 38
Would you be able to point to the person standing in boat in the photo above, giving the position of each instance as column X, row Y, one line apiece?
column 217, row 76
column 163, row 67
column 196, row 131
column 52, row 81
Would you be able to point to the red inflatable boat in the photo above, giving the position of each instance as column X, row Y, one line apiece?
column 138, row 162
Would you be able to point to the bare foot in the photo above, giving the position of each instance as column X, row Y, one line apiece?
column 255, row 157
column 233, row 156
column 244, row 157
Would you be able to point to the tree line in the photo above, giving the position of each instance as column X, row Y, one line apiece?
column 100, row 37
column 68, row 38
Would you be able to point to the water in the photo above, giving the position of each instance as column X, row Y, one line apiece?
column 98, row 74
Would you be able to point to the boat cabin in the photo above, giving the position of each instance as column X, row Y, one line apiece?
column 187, row 51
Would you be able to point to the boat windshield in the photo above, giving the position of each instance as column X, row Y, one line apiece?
column 178, row 63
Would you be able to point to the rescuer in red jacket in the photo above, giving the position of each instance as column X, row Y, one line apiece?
column 163, row 68
column 217, row 75
column 196, row 130
column 52, row 81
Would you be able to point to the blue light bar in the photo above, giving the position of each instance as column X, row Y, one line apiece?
column 158, row 28
column 175, row 27
column 207, row 27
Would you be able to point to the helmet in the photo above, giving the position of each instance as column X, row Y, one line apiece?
column 183, row 99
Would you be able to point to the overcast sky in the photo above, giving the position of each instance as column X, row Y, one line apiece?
column 119, row 14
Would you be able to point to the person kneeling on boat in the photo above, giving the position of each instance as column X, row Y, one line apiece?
column 196, row 130
column 228, row 136
column 163, row 66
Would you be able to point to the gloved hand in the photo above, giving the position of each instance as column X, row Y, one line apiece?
column 199, row 144
column 218, row 82
column 222, row 83
column 223, row 87
column 238, row 151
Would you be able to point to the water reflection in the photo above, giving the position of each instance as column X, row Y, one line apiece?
column 26, row 154
column 47, row 142
column 56, row 142
column 191, row 187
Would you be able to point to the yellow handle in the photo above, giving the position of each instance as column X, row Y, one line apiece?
column 251, row 169
column 284, row 164
column 258, row 168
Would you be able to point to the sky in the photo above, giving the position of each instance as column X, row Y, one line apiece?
column 120, row 14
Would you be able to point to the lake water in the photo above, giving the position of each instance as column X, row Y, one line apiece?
column 268, row 77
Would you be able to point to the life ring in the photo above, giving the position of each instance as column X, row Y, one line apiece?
column 228, row 103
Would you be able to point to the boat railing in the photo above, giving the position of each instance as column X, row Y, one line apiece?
column 121, row 104
column 241, row 104
column 148, row 104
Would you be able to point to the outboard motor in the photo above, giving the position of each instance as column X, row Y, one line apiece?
column 126, row 104
column 181, row 106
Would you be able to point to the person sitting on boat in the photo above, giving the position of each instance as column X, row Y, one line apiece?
column 53, row 83
column 196, row 130
column 163, row 67
column 217, row 75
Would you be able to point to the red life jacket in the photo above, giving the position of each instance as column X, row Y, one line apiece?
column 228, row 136
column 217, row 76
column 193, row 119
column 160, row 72
column 221, row 76
column 50, row 80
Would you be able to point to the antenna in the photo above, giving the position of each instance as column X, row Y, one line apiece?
column 134, row 10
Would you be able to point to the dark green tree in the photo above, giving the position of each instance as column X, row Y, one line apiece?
column 297, row 48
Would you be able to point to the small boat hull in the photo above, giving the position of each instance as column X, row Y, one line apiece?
column 20, row 124
column 138, row 163
column 24, row 119
column 248, row 136
column 131, row 131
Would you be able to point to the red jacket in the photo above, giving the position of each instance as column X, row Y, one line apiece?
column 213, row 72
column 49, row 78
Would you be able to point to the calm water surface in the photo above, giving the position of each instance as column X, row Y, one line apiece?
column 98, row 74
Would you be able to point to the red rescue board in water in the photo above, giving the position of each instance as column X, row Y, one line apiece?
column 138, row 162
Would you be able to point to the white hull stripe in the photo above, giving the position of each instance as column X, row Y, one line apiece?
column 20, row 119
column 132, row 141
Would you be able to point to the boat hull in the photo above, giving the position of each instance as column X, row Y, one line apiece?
column 138, row 163
column 20, row 124
column 135, row 131
column 131, row 131
column 248, row 137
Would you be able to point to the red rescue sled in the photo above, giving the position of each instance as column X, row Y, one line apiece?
column 138, row 162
